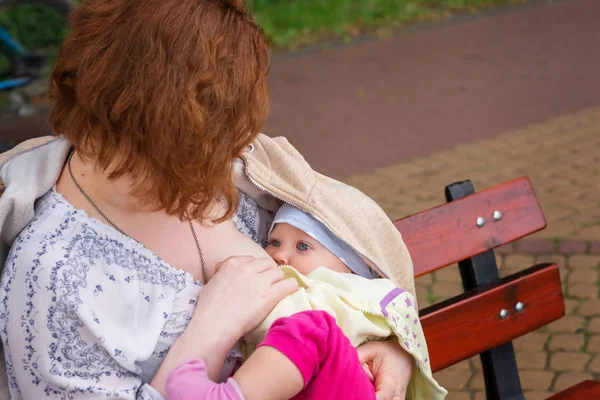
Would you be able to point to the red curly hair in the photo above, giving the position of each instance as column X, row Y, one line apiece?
column 169, row 91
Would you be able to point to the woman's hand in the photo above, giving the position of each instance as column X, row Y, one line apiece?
column 389, row 366
column 237, row 298
column 240, row 295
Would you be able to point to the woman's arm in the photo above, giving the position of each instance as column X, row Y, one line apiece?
column 235, row 300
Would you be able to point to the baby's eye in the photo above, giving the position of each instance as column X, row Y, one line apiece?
column 302, row 246
column 274, row 243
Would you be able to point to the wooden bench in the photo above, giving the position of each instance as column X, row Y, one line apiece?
column 492, row 311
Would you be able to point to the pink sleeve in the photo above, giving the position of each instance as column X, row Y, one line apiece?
column 190, row 381
column 302, row 338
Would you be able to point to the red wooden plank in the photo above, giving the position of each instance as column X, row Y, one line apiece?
column 470, row 323
column 449, row 233
column 586, row 390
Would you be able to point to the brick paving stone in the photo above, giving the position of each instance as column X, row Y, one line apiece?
column 445, row 290
column 594, row 325
column 571, row 305
column 508, row 248
column 531, row 341
column 423, row 299
column 449, row 274
column 566, row 341
column 536, row 395
column 535, row 246
column 507, row 271
column 568, row 323
column 459, row 395
column 477, row 382
column 531, row 359
column 455, row 377
column 584, row 261
column 475, row 363
column 569, row 361
column 422, row 285
column 479, row 395
column 583, row 290
column 553, row 258
column 589, row 308
column 589, row 231
column 594, row 366
column 595, row 248
column 583, row 276
column 568, row 379
column 536, row 380
column 560, row 229
column 518, row 261
column 564, row 272
column 424, row 280
column 593, row 344
column 572, row 247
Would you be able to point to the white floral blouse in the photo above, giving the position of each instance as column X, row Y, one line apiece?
column 86, row 312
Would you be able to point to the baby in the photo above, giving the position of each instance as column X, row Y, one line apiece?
column 306, row 347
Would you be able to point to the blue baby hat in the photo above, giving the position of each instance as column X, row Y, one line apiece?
column 306, row 223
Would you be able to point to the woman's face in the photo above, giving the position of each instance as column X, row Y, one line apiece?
column 291, row 246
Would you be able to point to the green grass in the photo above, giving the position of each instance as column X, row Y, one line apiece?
column 289, row 23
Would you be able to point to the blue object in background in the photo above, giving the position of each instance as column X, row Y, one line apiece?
column 7, row 39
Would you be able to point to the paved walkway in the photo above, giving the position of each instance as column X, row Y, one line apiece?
column 561, row 156
column 355, row 108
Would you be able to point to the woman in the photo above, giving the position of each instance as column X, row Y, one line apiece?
column 131, row 249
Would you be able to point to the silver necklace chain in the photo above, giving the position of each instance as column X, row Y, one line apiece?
column 89, row 199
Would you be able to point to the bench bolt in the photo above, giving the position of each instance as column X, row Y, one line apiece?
column 520, row 306
column 480, row 222
column 503, row 313
column 497, row 215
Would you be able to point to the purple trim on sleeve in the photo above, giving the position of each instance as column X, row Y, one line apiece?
column 388, row 299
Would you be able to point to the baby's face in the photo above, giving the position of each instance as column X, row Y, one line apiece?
column 291, row 246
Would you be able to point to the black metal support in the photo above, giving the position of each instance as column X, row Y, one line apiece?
column 499, row 365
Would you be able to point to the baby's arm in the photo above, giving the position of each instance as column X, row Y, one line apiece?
column 270, row 375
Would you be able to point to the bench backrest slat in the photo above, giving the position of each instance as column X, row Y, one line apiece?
column 444, row 235
column 471, row 324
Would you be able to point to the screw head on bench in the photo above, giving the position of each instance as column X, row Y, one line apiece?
column 480, row 222
column 497, row 215
column 520, row 306
column 503, row 313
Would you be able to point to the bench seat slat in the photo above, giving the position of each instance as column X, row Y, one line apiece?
column 447, row 234
column 469, row 324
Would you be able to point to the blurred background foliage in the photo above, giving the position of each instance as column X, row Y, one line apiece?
column 287, row 23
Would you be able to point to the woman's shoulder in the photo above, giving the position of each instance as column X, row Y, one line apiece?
column 64, row 265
